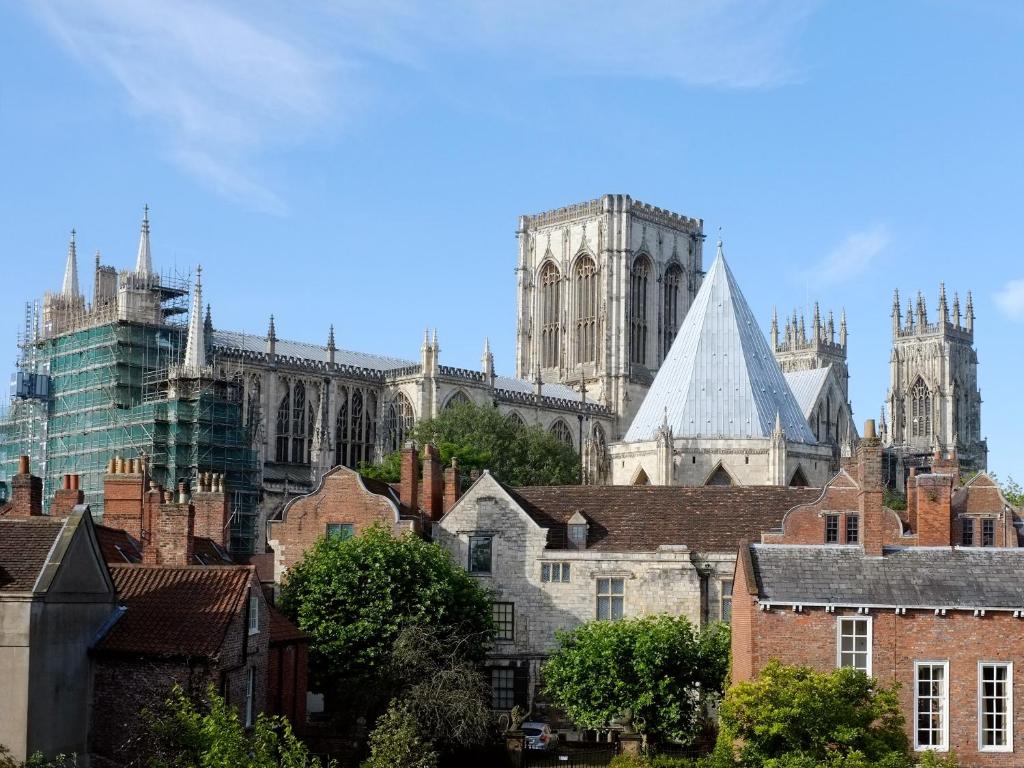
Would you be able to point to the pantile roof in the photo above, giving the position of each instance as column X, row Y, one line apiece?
column 927, row 577
column 118, row 546
column 640, row 518
column 282, row 630
column 25, row 546
column 720, row 378
column 175, row 611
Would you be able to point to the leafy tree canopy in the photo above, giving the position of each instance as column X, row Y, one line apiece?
column 790, row 717
column 658, row 669
column 481, row 437
column 353, row 596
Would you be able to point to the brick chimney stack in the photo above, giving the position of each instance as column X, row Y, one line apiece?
column 212, row 509
column 433, row 488
column 26, row 492
column 175, row 534
column 870, row 497
column 408, row 482
column 933, row 498
column 452, row 485
column 67, row 497
column 124, row 493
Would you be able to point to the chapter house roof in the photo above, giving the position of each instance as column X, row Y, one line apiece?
column 720, row 378
column 640, row 518
column 806, row 386
column 926, row 577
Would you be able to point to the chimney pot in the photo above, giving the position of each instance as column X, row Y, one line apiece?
column 67, row 482
column 23, row 465
column 869, row 429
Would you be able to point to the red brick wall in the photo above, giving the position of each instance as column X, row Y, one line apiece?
column 934, row 512
column 287, row 673
column 341, row 498
column 809, row 638
column 212, row 516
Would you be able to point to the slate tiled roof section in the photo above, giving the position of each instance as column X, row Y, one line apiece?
column 175, row 611
column 925, row 577
column 25, row 546
column 640, row 518
column 720, row 378
column 806, row 386
column 248, row 342
column 522, row 386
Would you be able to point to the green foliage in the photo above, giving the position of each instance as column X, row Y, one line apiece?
column 36, row 760
column 353, row 597
column 396, row 742
column 481, row 437
column 792, row 717
column 1013, row 492
column 182, row 734
column 893, row 499
column 656, row 668
column 388, row 470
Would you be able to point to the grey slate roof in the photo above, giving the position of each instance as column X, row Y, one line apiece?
column 560, row 391
column 806, row 386
column 925, row 577
column 720, row 378
column 299, row 349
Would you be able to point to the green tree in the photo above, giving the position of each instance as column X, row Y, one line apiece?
column 396, row 742
column 790, row 717
column 481, row 437
column 354, row 596
column 657, row 669
column 183, row 733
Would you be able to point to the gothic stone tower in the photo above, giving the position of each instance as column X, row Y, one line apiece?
column 934, row 403
column 603, row 286
column 797, row 351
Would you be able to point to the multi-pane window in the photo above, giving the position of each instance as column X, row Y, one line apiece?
column 638, row 311
column 554, row 572
column 920, row 410
column 341, row 530
column 988, row 533
column 854, row 646
column 299, row 419
column 967, row 532
column 399, row 421
column 670, row 314
column 995, row 706
column 610, row 594
column 283, row 424
column 726, row 607
column 585, row 279
column 550, row 315
column 480, row 549
column 294, row 426
column 504, row 616
column 254, row 613
column 503, row 683
column 355, row 430
column 852, row 529
column 831, row 529
column 250, row 697
column 931, row 704
column 561, row 432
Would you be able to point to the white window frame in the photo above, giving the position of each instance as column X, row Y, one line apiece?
column 610, row 595
column 839, row 640
column 944, row 747
column 1008, row 747
column 250, row 697
column 254, row 613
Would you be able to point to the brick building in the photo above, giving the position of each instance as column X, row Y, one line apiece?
column 930, row 598
column 555, row 557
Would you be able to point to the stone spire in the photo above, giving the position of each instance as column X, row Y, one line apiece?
column 208, row 322
column 956, row 309
column 817, row 323
column 775, row 329
column 970, row 313
column 195, row 347
column 803, row 331
column 922, row 312
column 842, row 329
column 487, row 361
column 909, row 324
column 144, row 261
column 831, row 328
column 271, row 338
column 331, row 349
column 69, row 288
column 943, row 309
column 896, row 313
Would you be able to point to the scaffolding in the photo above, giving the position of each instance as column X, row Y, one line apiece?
column 112, row 387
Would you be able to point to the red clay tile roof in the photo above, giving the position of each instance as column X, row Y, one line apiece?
column 640, row 518
column 25, row 545
column 175, row 611
column 282, row 630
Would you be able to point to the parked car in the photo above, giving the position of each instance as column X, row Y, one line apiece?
column 536, row 735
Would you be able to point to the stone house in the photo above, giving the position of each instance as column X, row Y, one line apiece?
column 555, row 557
column 929, row 598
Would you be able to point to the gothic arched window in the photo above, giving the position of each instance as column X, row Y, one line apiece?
column 670, row 312
column 550, row 314
column 252, row 405
column 920, row 410
column 399, row 421
column 341, row 430
column 459, row 398
column 370, row 417
column 284, row 420
column 638, row 310
column 585, row 279
column 514, row 418
column 299, row 419
column 561, row 432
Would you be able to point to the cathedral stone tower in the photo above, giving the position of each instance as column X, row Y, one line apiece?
column 934, row 404
column 799, row 351
column 603, row 286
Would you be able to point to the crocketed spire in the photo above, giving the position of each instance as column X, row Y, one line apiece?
column 195, row 347
column 69, row 288
column 144, row 261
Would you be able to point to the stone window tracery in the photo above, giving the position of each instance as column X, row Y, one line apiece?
column 551, row 310
column 670, row 313
column 283, row 422
column 920, row 410
column 459, row 398
column 638, row 311
column 561, row 432
column 585, row 279
column 399, row 421
column 341, row 430
column 299, row 418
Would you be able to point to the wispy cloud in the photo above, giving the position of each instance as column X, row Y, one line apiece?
column 854, row 255
column 1010, row 299
column 225, row 83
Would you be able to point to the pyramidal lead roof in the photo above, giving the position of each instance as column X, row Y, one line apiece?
column 720, row 378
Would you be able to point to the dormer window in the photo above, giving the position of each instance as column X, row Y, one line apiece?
column 578, row 528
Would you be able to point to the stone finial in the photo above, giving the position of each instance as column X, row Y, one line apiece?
column 970, row 313
column 775, row 329
column 144, row 260
column 331, row 348
column 943, row 310
column 956, row 309
column 842, row 328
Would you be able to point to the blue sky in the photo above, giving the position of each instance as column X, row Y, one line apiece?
column 363, row 163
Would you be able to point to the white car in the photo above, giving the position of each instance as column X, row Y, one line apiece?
column 536, row 735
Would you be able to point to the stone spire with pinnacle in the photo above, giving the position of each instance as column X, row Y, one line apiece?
column 144, row 261
column 331, row 348
column 69, row 288
column 775, row 329
column 271, row 338
column 195, row 347
column 487, row 361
